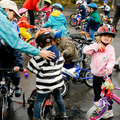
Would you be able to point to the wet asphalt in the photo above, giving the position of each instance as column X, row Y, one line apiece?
column 79, row 98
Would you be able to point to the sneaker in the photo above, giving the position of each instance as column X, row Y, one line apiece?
column 108, row 114
column 116, row 66
column 18, row 92
column 63, row 115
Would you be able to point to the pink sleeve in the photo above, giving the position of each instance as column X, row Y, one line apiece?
column 43, row 9
column 90, row 49
column 111, row 60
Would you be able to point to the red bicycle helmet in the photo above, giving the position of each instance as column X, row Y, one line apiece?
column 44, row 35
column 106, row 29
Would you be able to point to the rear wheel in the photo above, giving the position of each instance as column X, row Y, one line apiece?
column 48, row 113
column 72, row 16
column 88, row 78
column 73, row 22
column 1, row 106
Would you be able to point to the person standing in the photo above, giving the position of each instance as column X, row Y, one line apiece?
column 117, row 13
column 31, row 5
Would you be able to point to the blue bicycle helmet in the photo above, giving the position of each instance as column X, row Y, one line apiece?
column 92, row 5
column 57, row 6
column 58, row 34
column 105, row 1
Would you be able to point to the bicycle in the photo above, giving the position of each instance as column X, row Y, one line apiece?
column 78, row 75
column 99, row 109
column 48, row 109
column 76, row 20
column 6, row 91
column 79, row 41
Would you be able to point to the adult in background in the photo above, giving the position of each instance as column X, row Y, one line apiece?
column 117, row 13
column 9, row 11
column 31, row 5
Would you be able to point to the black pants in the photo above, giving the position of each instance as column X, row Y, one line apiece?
column 32, row 17
column 116, row 16
column 97, row 82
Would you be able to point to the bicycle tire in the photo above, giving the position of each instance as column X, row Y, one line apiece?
column 89, row 81
column 72, row 16
column 65, row 88
column 1, row 106
column 32, row 41
column 73, row 22
column 48, row 113
column 94, row 110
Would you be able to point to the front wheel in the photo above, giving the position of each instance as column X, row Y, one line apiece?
column 96, row 113
column 1, row 106
column 88, row 78
column 64, row 88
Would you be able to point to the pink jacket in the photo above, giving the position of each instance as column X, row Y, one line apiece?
column 100, row 60
column 48, row 10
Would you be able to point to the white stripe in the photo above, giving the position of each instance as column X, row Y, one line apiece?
column 49, row 80
column 50, row 74
column 56, row 67
column 33, row 70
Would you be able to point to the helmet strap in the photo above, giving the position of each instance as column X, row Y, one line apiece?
column 105, row 44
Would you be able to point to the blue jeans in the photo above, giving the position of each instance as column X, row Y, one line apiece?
column 39, row 99
column 91, row 32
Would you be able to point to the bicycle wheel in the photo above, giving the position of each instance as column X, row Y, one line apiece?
column 48, row 113
column 73, row 22
column 95, row 113
column 72, row 16
column 32, row 41
column 88, row 78
column 1, row 106
column 65, row 88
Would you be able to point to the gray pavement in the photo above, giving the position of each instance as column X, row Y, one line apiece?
column 79, row 98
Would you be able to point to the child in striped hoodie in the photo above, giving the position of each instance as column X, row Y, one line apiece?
column 48, row 73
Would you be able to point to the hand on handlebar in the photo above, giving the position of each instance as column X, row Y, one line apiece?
column 16, row 69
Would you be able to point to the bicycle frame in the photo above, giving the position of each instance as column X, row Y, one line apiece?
column 100, row 107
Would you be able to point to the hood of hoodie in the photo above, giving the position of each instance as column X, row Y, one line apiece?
column 3, row 12
column 54, row 49
column 58, row 16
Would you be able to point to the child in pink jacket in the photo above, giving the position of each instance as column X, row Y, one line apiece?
column 103, row 60
column 47, row 8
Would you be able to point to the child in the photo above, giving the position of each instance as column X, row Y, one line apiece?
column 103, row 60
column 56, row 19
column 66, row 47
column 117, row 64
column 11, row 58
column 106, row 8
column 47, row 8
column 93, row 20
column 23, row 24
column 48, row 73
column 81, row 8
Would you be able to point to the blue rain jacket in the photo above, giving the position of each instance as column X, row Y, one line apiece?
column 57, row 20
column 10, row 36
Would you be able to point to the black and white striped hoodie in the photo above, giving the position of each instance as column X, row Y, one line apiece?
column 48, row 73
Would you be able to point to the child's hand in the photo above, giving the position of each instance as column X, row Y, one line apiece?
column 16, row 69
column 101, row 47
column 105, row 71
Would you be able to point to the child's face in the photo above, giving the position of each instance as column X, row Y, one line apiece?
column 78, row 5
column 105, row 4
column 106, row 38
column 90, row 9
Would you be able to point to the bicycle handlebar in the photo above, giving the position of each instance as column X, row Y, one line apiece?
column 7, row 71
